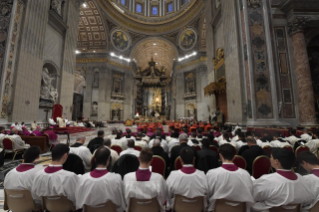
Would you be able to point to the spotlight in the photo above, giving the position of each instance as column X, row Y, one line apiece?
column 84, row 5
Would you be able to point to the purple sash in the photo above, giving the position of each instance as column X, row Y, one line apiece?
column 52, row 169
column 96, row 173
column 143, row 175
column 230, row 167
column 315, row 172
column 188, row 170
column 288, row 174
column 24, row 167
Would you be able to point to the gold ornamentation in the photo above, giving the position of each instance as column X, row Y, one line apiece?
column 190, row 76
column 194, row 62
column 116, row 106
column 103, row 60
column 214, row 88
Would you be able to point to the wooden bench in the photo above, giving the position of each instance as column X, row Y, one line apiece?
column 40, row 141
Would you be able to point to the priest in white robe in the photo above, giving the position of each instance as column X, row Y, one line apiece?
column 83, row 152
column 114, row 133
column 130, row 149
column 34, row 126
column 163, row 142
column 52, row 122
column 228, row 181
column 144, row 184
column 188, row 181
column 55, row 181
column 18, row 143
column 259, row 141
column 310, row 163
column 313, row 144
column 292, row 137
column 235, row 129
column 17, row 126
column 114, row 155
column 293, row 187
column 100, row 185
column 305, row 135
column 278, row 141
column 139, row 140
column 21, row 177
column 119, row 140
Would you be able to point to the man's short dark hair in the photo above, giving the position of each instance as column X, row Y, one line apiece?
column 101, row 156
column 315, row 133
column 308, row 157
column 139, row 134
column 100, row 133
column 257, row 134
column 158, row 134
column 205, row 142
column 59, row 150
column 187, row 155
column 293, row 132
column 2, row 128
column 237, row 131
column 277, row 134
column 128, row 131
column 193, row 134
column 241, row 134
column 107, row 142
column 31, row 154
column 285, row 157
column 130, row 143
column 227, row 151
column 146, row 155
column 250, row 139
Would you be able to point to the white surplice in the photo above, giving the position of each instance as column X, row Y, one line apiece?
column 234, row 139
column 277, row 143
column 85, row 154
column 115, row 156
column 171, row 144
column 141, row 143
column 155, row 187
column 313, row 146
column 163, row 144
column 58, row 183
column 15, row 180
column 234, row 130
column 131, row 151
column 17, row 126
column 239, row 144
column 230, row 185
column 306, row 137
column 52, row 122
column 18, row 143
column 313, row 182
column 273, row 190
column 188, row 185
column 292, row 139
column 120, row 142
column 94, row 191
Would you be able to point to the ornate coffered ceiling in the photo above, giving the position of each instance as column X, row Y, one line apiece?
column 162, row 52
column 92, row 35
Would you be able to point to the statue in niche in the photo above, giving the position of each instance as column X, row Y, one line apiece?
column 191, row 86
column 56, row 5
column 48, row 91
column 94, row 108
column 96, row 77
column 117, row 87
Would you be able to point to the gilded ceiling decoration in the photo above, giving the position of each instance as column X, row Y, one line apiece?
column 92, row 35
column 187, row 39
column 162, row 52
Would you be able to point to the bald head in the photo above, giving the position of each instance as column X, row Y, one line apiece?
column 14, row 130
column 131, row 143
column 250, row 140
column 80, row 139
column 183, row 138
column 107, row 142
column 157, row 142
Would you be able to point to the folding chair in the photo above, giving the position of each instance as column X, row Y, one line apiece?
column 19, row 201
column 57, row 204
column 8, row 146
column 108, row 206
column 143, row 205
column 185, row 204
column 223, row 205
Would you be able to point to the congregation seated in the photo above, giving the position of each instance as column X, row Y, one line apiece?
column 22, row 177
column 201, row 155
column 292, row 137
column 225, row 140
column 130, row 149
column 119, row 140
column 53, row 137
column 144, row 184
column 157, row 133
column 89, row 124
column 251, row 153
column 157, row 149
column 100, row 185
column 187, row 181
column 52, row 122
column 228, row 181
column 241, row 141
column 313, row 144
column 194, row 139
column 18, row 143
column 114, row 155
column 293, row 187
column 25, row 131
column 53, row 180
column 114, row 133
column 139, row 140
column 37, row 131
column 278, row 141
column 83, row 152
column 96, row 142
column 80, row 124
column 310, row 163
column 305, row 135
column 128, row 134
column 163, row 141
column 17, row 126
column 260, row 142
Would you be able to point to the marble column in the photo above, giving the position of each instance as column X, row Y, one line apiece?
column 304, row 83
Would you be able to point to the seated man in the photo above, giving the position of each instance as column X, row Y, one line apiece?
column 293, row 137
column 139, row 140
column 100, row 186
column 79, row 141
column 53, row 137
column 293, row 187
column 17, row 126
column 96, row 142
column 144, row 184
column 252, row 153
column 175, row 152
column 159, row 151
column 130, row 149
column 313, row 144
column 188, row 181
column 37, row 131
column 83, row 152
column 80, row 124
column 228, row 181
column 193, row 138
column 61, row 122
column 203, row 153
column 55, row 181
column 259, row 141
column 119, row 140
column 114, row 133
column 310, row 162
column 18, row 143
column 34, row 125
column 158, row 135
column 21, row 178
column 25, row 131
column 114, row 155
column 278, row 141
column 241, row 141
column 305, row 136
column 52, row 122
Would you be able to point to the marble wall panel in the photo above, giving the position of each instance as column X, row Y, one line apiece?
column 53, row 46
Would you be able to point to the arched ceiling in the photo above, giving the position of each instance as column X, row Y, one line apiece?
column 92, row 33
column 162, row 52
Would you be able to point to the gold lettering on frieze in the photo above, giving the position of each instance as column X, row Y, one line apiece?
column 103, row 60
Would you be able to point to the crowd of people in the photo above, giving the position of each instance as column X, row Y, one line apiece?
column 223, row 180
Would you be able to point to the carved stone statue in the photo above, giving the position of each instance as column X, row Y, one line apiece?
column 54, row 94
column 94, row 108
column 56, row 5
column 48, row 91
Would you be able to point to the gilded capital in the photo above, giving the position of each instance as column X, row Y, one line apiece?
column 297, row 24
column 254, row 3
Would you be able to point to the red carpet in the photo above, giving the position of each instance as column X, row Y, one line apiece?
column 72, row 130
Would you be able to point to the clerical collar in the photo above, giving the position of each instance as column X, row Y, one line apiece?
column 143, row 168
column 287, row 174
column 25, row 167
column 55, row 165
column 188, row 169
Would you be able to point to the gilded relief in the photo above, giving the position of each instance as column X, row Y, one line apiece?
column 120, row 40
column 188, row 39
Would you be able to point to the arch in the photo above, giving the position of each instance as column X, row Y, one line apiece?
column 310, row 35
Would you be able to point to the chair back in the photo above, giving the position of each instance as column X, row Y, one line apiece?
column 214, row 148
column 108, row 206
column 289, row 148
column 178, row 163
column 92, row 160
column 240, row 162
column 158, row 165
column 57, row 204
column 138, row 148
column 286, row 208
column 7, row 144
column 47, row 137
column 18, row 200
column 223, row 205
column 315, row 208
column 301, row 149
column 32, row 134
column 197, row 148
column 143, row 205
column 261, row 166
column 125, row 164
column 185, row 204
column 206, row 163
column 117, row 148
column 268, row 149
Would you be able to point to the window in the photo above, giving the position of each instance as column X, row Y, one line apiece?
column 184, row 1
column 170, row 7
column 139, row 8
column 123, row 2
column 155, row 10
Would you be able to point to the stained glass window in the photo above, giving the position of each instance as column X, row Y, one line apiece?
column 139, row 8
column 154, row 10
column 170, row 7
column 123, row 2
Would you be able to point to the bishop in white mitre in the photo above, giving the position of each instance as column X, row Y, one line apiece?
column 100, row 185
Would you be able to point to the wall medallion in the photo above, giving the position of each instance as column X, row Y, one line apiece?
column 120, row 40
column 187, row 39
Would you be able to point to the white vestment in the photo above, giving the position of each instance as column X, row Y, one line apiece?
column 155, row 187
column 16, row 126
column 313, row 182
column 80, row 124
column 306, row 137
column 94, row 191
column 112, row 136
column 234, row 139
column 18, row 143
column 163, row 144
column 146, row 138
column 120, row 142
column 219, row 138
column 230, row 185
column 234, row 131
column 141, row 143
column 58, row 183
column 16, row 180
column 273, row 190
column 313, row 146
column 33, row 126
column 52, row 122
column 259, row 142
column 131, row 151
column 277, row 143
column 292, row 139
column 85, row 154
column 171, row 144
column 115, row 156
column 61, row 122
column 188, row 185
column 239, row 144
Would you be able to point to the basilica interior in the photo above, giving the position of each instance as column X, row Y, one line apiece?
column 251, row 62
